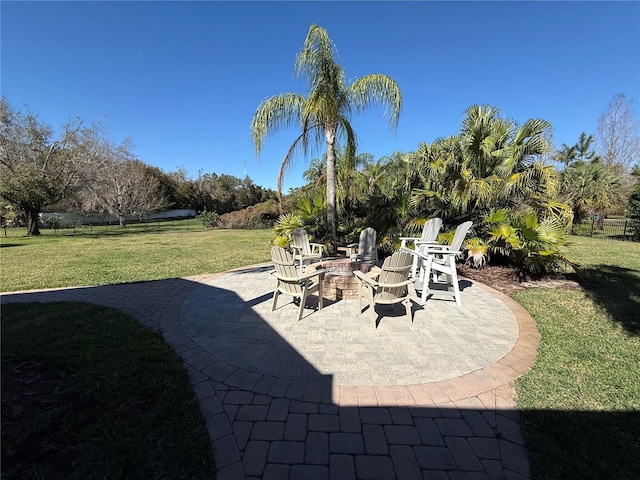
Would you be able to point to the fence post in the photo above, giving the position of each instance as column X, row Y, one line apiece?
column 624, row 233
column 593, row 221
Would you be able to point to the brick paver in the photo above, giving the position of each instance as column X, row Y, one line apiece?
column 331, row 396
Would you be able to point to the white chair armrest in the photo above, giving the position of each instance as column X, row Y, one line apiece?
column 431, row 251
column 316, row 273
column 404, row 240
column 393, row 285
column 436, row 247
column 303, row 277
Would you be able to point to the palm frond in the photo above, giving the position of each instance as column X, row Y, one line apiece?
column 376, row 89
column 275, row 113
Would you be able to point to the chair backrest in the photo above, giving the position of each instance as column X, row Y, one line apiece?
column 431, row 229
column 301, row 239
column 459, row 235
column 285, row 270
column 367, row 244
column 395, row 269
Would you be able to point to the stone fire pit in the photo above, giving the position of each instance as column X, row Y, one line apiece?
column 339, row 281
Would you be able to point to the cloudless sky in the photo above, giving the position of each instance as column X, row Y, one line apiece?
column 183, row 79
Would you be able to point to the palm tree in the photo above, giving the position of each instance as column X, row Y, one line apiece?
column 492, row 163
column 324, row 113
column 583, row 147
column 591, row 187
column 316, row 171
column 566, row 155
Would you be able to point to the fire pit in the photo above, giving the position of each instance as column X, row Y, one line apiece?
column 339, row 281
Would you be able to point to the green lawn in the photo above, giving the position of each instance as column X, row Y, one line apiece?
column 125, row 255
column 580, row 404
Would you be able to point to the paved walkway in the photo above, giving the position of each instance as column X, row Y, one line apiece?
column 338, row 395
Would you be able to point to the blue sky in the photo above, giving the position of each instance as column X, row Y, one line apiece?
column 183, row 79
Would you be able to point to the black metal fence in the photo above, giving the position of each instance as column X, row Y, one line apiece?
column 615, row 229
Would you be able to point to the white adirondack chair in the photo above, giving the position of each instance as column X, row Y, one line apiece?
column 291, row 282
column 429, row 237
column 389, row 286
column 367, row 248
column 303, row 250
column 441, row 259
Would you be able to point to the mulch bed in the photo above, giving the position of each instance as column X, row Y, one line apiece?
column 510, row 280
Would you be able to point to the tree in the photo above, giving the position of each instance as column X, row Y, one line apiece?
column 125, row 187
column 37, row 169
column 493, row 173
column 583, row 148
column 591, row 187
column 316, row 172
column 493, row 163
column 618, row 140
column 324, row 113
column 566, row 155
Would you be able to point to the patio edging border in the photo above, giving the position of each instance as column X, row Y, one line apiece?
column 494, row 379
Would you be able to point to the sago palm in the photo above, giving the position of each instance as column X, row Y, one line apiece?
column 323, row 114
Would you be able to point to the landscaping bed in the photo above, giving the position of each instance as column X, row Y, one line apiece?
column 510, row 280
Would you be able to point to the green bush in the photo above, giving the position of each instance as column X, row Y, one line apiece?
column 583, row 229
column 530, row 243
column 54, row 221
column 208, row 219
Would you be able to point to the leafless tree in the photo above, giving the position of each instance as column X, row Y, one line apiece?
column 618, row 135
column 124, row 187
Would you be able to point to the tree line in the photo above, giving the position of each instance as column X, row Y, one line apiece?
column 495, row 172
column 81, row 170
column 520, row 192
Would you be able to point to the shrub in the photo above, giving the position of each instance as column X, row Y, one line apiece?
column 259, row 216
column 584, row 229
column 208, row 219
column 54, row 221
column 530, row 243
column 284, row 227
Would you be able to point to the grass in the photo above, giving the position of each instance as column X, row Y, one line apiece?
column 580, row 404
column 87, row 392
column 125, row 255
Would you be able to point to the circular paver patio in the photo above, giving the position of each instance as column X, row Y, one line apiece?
column 230, row 316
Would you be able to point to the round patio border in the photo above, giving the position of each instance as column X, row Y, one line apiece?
column 486, row 387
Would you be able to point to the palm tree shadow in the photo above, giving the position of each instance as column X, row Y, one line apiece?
column 616, row 289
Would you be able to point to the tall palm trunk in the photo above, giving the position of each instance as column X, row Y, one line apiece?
column 330, row 135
